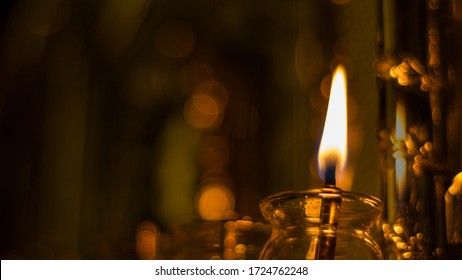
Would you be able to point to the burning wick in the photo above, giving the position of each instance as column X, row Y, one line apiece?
column 332, row 158
column 332, row 150
column 329, row 176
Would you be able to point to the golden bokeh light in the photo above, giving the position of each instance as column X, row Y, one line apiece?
column 214, row 201
column 417, row 66
column 240, row 251
column 203, row 111
column 244, row 225
column 215, row 89
column 175, row 39
column 146, row 240
column 398, row 228
column 229, row 242
column 426, row 83
column 205, row 108
column 434, row 46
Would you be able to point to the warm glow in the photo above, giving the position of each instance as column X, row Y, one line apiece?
column 215, row 201
column 399, row 155
column 456, row 187
column 146, row 240
column 333, row 148
column 205, row 108
column 203, row 111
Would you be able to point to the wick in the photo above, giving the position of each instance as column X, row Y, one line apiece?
column 329, row 176
column 328, row 219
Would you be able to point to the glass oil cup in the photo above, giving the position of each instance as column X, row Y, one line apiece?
column 296, row 231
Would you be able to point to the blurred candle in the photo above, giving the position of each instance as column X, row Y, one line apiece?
column 400, row 151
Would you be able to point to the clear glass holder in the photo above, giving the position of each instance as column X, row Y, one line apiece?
column 296, row 227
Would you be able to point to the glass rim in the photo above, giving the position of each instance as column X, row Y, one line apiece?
column 369, row 199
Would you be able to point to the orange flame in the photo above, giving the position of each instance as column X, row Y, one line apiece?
column 333, row 147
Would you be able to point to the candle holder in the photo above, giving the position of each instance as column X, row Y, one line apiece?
column 419, row 128
column 297, row 229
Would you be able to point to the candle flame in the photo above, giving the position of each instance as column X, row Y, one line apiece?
column 333, row 147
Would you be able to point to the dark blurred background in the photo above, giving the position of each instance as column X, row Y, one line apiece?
column 126, row 117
